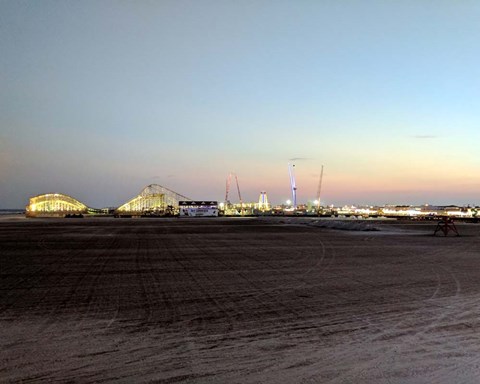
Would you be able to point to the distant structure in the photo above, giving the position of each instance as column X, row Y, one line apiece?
column 228, row 206
column 446, row 225
column 319, row 191
column 198, row 208
column 263, row 204
column 153, row 200
column 55, row 204
column 293, row 185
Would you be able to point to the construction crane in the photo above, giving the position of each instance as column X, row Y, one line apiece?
column 293, row 185
column 227, row 190
column 319, row 190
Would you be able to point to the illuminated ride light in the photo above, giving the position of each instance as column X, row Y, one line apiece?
column 54, row 204
column 153, row 200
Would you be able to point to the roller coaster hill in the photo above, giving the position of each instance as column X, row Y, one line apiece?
column 154, row 201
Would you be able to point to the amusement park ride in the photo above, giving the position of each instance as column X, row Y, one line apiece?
column 319, row 190
column 227, row 191
column 293, row 185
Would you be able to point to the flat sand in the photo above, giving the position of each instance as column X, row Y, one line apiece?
column 240, row 300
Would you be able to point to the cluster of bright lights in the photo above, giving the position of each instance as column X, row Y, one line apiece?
column 55, row 202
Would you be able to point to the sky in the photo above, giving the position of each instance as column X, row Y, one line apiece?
column 100, row 98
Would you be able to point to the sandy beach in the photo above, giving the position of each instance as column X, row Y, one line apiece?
column 238, row 300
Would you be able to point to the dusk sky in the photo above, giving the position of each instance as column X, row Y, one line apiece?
column 101, row 98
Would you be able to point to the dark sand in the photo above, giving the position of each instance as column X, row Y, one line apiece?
column 237, row 301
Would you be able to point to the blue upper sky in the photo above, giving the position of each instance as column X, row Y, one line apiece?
column 100, row 98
